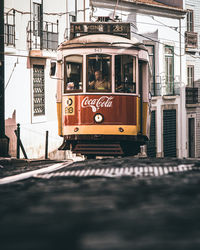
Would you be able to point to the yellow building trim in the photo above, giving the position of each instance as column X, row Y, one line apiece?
column 101, row 129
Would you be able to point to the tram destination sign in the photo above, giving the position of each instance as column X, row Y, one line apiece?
column 81, row 29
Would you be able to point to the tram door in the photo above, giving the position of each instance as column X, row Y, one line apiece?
column 169, row 133
column 191, row 137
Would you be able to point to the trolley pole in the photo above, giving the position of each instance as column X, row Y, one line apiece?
column 4, row 140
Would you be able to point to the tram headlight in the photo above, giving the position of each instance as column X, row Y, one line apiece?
column 98, row 118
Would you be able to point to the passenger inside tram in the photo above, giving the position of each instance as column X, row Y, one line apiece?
column 99, row 83
column 99, row 73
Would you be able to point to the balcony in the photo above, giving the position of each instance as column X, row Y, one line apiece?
column 42, row 35
column 191, row 40
column 191, row 95
column 165, row 89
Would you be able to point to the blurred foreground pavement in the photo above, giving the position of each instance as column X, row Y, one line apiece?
column 98, row 213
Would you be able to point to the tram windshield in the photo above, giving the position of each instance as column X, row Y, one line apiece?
column 125, row 74
column 73, row 74
column 99, row 73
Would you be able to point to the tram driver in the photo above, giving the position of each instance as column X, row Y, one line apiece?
column 99, row 83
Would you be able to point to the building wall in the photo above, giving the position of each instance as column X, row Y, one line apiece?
column 195, row 60
column 19, row 77
column 160, row 30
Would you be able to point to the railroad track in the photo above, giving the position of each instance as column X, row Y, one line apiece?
column 120, row 171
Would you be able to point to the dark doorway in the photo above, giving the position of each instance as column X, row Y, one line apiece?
column 169, row 133
column 191, row 137
column 151, row 146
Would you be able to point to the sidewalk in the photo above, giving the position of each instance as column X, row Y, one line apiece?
column 12, row 160
column 12, row 166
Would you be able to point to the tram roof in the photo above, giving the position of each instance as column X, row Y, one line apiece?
column 103, row 40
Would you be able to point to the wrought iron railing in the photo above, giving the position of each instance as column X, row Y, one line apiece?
column 191, row 40
column 42, row 35
column 191, row 95
column 160, row 89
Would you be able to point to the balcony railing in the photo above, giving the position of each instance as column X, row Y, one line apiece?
column 160, row 89
column 42, row 35
column 191, row 40
column 191, row 95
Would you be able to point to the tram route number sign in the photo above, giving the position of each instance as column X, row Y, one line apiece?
column 80, row 29
column 69, row 105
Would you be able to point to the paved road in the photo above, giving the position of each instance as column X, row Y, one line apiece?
column 105, row 211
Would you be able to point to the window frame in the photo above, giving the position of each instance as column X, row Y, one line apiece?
column 153, row 67
column 34, row 115
column 37, row 19
column 134, row 74
column 190, row 20
column 190, row 76
column 65, row 72
column 9, row 29
column 110, row 73
column 169, row 84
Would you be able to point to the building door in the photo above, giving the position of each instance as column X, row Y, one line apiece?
column 151, row 146
column 191, row 137
column 169, row 133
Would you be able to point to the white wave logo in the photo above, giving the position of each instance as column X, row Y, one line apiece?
column 96, row 104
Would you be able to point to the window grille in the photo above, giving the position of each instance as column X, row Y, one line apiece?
column 38, row 90
column 50, row 36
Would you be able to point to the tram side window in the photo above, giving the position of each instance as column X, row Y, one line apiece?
column 125, row 74
column 98, row 73
column 73, row 74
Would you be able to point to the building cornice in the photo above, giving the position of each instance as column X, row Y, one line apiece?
column 142, row 7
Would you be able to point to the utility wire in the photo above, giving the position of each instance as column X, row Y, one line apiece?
column 46, row 13
column 15, row 64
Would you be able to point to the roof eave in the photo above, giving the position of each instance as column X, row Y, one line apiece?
column 128, row 5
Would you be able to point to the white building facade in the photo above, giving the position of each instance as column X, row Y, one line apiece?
column 193, row 77
column 33, row 31
column 161, row 26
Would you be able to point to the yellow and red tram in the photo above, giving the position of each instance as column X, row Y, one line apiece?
column 102, row 94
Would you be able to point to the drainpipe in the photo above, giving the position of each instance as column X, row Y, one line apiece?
column 84, row 9
column 76, row 9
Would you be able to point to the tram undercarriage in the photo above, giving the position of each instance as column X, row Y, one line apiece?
column 103, row 145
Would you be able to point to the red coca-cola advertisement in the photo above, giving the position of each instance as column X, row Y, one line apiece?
column 116, row 109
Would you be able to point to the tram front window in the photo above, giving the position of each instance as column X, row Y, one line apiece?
column 98, row 73
column 73, row 74
column 125, row 74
